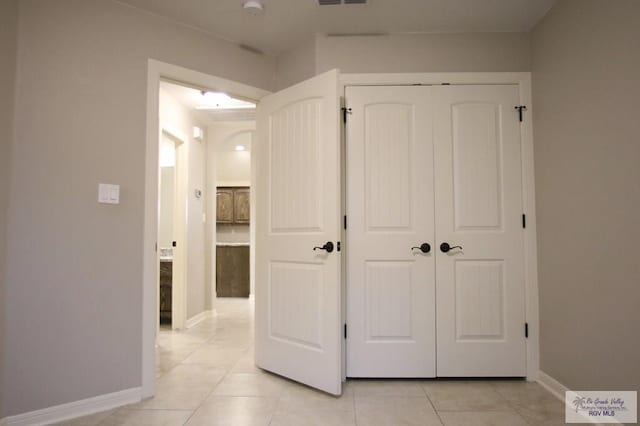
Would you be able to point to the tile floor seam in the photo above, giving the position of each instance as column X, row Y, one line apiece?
column 227, row 372
column 513, row 407
column 432, row 405
column 355, row 411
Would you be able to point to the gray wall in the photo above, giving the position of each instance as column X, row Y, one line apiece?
column 586, row 92
column 296, row 65
column 74, row 270
column 8, row 40
column 425, row 53
column 405, row 53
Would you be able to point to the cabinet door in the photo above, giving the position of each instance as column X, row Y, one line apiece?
column 241, row 205
column 232, row 271
column 224, row 205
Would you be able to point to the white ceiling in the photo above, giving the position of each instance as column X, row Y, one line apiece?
column 286, row 23
column 191, row 98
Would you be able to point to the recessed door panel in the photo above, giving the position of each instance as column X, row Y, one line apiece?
column 300, row 322
column 390, row 285
column 388, row 134
column 476, row 165
column 297, row 172
column 479, row 300
column 388, row 301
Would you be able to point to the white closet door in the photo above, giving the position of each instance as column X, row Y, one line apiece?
column 298, row 323
column 390, row 286
column 480, row 287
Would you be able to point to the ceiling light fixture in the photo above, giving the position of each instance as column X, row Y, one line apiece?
column 240, row 148
column 254, row 7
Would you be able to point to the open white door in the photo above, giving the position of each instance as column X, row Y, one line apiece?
column 297, row 187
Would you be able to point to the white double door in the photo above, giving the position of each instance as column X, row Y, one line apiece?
column 434, row 165
column 424, row 165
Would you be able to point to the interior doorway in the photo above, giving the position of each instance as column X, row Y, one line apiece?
column 180, row 120
column 170, row 230
column 230, row 154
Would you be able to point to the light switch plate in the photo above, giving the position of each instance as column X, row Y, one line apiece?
column 108, row 193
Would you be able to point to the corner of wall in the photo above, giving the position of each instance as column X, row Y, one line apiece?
column 8, row 64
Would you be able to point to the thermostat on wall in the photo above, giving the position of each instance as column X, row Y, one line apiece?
column 108, row 194
column 198, row 133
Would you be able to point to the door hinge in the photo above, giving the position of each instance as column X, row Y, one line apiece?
column 338, row 244
column 345, row 111
column 524, row 220
column 521, row 108
column 526, row 330
column 344, row 221
column 345, row 331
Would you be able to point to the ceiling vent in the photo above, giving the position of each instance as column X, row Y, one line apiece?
column 334, row 2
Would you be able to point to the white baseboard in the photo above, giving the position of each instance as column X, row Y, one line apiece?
column 75, row 409
column 198, row 318
column 556, row 388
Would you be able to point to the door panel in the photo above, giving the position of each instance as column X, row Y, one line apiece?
column 390, row 287
column 478, row 193
column 476, row 166
column 298, row 324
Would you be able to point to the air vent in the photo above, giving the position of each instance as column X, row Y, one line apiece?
column 335, row 2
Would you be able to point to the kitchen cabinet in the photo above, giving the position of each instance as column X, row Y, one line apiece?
column 166, row 282
column 224, row 205
column 241, row 205
column 232, row 270
column 233, row 205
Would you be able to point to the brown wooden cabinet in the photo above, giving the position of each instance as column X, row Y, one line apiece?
column 233, row 205
column 224, row 205
column 241, row 212
column 232, row 271
column 166, row 284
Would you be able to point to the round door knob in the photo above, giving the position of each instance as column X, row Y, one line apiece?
column 445, row 247
column 424, row 247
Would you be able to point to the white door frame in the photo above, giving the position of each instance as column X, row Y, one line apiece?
column 155, row 72
column 523, row 80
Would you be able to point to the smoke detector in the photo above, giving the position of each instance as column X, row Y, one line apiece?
column 254, row 7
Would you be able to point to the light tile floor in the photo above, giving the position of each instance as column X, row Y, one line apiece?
column 206, row 376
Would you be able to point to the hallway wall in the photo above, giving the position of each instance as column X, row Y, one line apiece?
column 8, row 45
column 74, row 271
column 586, row 86
column 182, row 119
